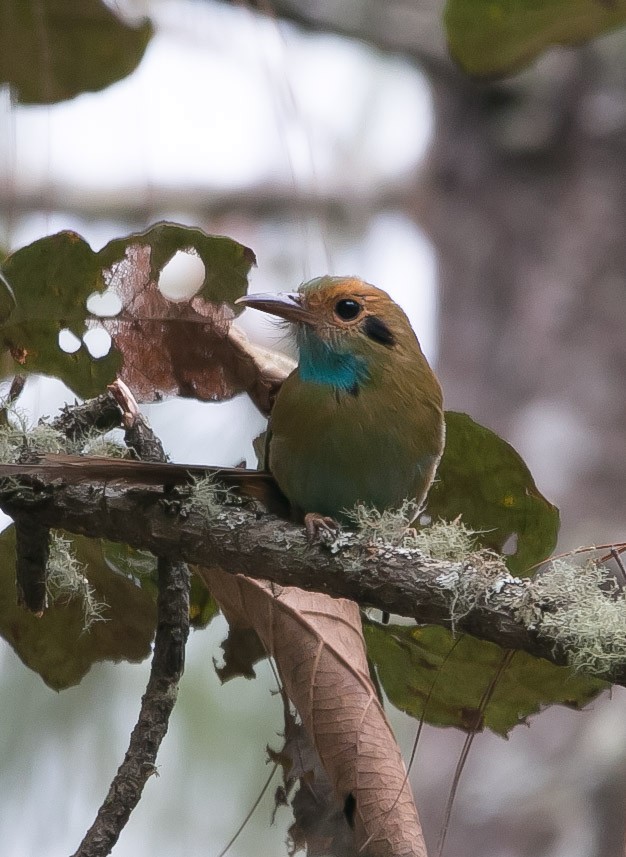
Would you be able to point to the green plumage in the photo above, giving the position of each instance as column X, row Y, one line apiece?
column 361, row 417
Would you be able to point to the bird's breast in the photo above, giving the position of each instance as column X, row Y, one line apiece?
column 330, row 449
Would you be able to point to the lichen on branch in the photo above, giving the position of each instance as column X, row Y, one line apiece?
column 475, row 593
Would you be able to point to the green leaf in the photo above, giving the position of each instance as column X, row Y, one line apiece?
column 484, row 480
column 7, row 299
column 426, row 671
column 494, row 38
column 52, row 279
column 51, row 50
column 141, row 567
column 137, row 565
column 203, row 608
column 56, row 646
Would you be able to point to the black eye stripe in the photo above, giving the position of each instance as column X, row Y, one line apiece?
column 377, row 330
column 347, row 309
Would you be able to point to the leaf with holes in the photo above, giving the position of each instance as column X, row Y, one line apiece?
column 485, row 481
column 51, row 280
column 160, row 346
column 178, row 346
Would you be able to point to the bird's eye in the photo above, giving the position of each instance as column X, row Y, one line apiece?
column 347, row 309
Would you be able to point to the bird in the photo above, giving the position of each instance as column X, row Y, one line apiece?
column 360, row 419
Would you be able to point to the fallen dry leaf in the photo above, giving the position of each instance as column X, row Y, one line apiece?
column 317, row 643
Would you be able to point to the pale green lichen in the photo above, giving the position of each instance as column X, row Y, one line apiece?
column 9, row 451
column 208, row 496
column 18, row 435
column 131, row 562
column 96, row 443
column 588, row 616
column 389, row 527
column 580, row 608
column 67, row 581
column 43, row 438
column 463, row 593
column 471, row 579
column 396, row 531
column 444, row 540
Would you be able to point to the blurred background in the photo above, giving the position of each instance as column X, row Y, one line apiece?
column 339, row 137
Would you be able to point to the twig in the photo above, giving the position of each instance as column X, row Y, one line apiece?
column 620, row 565
column 620, row 546
column 467, row 745
column 31, row 563
column 139, row 436
column 76, row 421
column 250, row 812
column 15, row 390
column 33, row 540
column 156, row 706
column 168, row 662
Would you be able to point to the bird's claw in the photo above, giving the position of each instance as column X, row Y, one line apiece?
column 314, row 524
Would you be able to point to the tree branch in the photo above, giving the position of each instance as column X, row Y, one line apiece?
column 156, row 706
column 477, row 595
column 395, row 26
column 168, row 661
column 31, row 574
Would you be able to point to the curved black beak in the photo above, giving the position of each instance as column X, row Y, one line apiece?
column 286, row 305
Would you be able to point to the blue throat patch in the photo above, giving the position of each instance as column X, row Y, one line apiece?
column 321, row 364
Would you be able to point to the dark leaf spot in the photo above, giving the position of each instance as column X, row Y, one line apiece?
column 349, row 808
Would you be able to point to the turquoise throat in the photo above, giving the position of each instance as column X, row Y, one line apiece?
column 321, row 364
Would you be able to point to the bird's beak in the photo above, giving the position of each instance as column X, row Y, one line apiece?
column 283, row 304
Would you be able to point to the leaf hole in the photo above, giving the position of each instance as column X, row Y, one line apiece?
column 104, row 304
column 182, row 277
column 510, row 545
column 68, row 341
column 97, row 342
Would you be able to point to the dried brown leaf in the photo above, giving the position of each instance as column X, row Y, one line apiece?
column 168, row 348
column 318, row 646
column 185, row 347
column 320, row 826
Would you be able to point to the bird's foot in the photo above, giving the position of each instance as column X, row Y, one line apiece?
column 315, row 524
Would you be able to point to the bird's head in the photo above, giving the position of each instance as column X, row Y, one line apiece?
column 345, row 329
